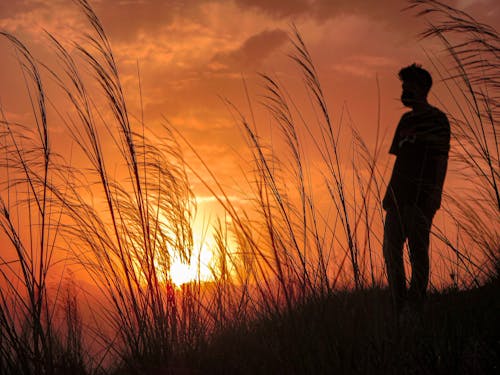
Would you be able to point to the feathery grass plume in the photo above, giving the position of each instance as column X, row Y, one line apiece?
column 329, row 148
column 348, row 210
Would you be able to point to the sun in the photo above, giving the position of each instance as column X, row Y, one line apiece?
column 202, row 264
column 198, row 269
column 185, row 273
column 182, row 273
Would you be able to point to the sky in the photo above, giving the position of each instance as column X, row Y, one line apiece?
column 193, row 55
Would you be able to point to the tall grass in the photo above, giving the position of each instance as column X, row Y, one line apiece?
column 472, row 80
column 145, row 219
column 297, row 247
column 125, row 243
column 30, row 220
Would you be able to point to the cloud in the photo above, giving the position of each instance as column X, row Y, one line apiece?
column 28, row 18
column 389, row 12
column 251, row 53
column 125, row 20
column 321, row 9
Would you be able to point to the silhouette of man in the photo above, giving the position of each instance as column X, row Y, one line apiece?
column 421, row 144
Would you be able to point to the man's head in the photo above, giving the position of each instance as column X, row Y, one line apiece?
column 417, row 83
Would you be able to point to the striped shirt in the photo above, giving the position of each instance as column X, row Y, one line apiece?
column 421, row 145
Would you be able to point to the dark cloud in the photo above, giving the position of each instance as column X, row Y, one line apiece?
column 125, row 20
column 252, row 52
column 122, row 19
column 386, row 11
column 321, row 9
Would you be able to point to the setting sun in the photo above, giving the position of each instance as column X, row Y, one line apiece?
column 182, row 273
column 199, row 269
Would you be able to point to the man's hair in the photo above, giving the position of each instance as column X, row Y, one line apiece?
column 415, row 73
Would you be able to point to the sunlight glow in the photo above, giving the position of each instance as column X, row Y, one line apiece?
column 201, row 261
column 182, row 273
column 199, row 269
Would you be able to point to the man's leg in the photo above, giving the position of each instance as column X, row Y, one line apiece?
column 393, row 253
column 418, row 240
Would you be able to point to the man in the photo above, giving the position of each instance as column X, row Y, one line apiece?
column 421, row 144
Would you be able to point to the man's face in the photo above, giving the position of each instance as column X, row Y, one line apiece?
column 412, row 94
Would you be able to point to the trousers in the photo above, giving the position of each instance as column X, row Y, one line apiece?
column 413, row 224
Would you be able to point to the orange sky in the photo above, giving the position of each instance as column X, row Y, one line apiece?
column 191, row 53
